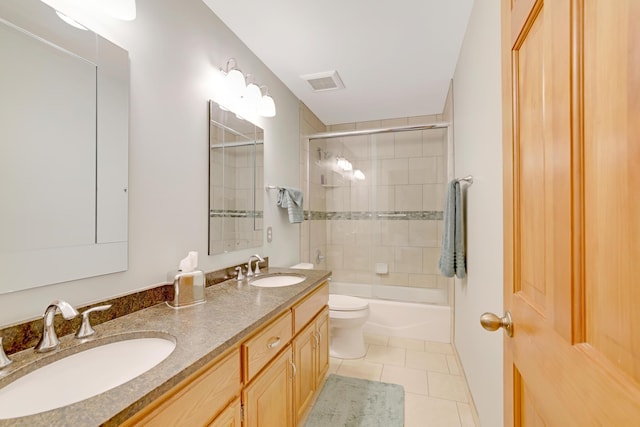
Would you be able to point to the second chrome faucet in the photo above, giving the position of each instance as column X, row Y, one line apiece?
column 258, row 259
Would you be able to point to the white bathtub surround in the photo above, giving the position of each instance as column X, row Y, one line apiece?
column 422, row 321
column 425, row 322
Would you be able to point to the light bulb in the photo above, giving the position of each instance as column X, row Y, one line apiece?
column 252, row 97
column 267, row 107
column 235, row 83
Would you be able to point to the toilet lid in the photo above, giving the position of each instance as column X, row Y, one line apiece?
column 346, row 303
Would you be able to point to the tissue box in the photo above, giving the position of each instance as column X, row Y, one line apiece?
column 188, row 288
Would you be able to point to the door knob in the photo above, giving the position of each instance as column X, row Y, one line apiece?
column 492, row 322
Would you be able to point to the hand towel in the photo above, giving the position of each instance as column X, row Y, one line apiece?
column 291, row 199
column 452, row 256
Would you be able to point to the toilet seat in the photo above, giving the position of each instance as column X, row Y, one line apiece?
column 346, row 303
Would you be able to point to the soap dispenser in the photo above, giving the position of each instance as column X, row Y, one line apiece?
column 188, row 283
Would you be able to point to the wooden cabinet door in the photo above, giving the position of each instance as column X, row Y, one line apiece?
column 571, row 71
column 322, row 352
column 268, row 399
column 230, row 417
column 305, row 360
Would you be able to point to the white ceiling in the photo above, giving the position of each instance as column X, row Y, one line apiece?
column 395, row 57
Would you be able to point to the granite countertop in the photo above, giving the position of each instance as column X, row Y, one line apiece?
column 202, row 332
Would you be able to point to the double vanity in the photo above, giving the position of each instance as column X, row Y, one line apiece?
column 257, row 350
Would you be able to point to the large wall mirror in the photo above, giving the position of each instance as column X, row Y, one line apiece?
column 64, row 126
column 235, row 178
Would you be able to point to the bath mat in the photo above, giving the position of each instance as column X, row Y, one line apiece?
column 353, row 402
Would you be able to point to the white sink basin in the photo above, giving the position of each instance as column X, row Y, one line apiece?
column 82, row 375
column 277, row 280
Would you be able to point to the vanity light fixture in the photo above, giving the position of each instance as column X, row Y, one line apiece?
column 243, row 98
column 358, row 175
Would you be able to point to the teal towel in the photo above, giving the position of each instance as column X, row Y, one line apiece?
column 452, row 256
column 291, row 199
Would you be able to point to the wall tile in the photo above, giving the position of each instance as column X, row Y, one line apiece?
column 423, row 170
column 409, row 197
column 393, row 171
column 423, row 233
column 394, row 233
column 408, row 260
column 433, row 197
column 382, row 146
column 430, row 259
column 408, row 144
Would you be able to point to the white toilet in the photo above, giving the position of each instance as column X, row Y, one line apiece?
column 347, row 315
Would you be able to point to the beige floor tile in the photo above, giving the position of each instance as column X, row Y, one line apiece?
column 427, row 361
column 438, row 347
column 444, row 386
column 466, row 415
column 385, row 355
column 423, row 411
column 452, row 362
column 406, row 343
column 413, row 380
column 360, row 368
column 376, row 339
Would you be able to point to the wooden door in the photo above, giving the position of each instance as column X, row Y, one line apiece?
column 571, row 91
column 322, row 331
column 268, row 398
column 304, row 358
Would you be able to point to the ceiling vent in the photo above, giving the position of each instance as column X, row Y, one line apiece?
column 328, row 80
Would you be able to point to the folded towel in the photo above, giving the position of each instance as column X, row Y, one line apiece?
column 291, row 199
column 452, row 256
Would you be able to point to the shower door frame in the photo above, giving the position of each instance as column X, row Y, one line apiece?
column 360, row 132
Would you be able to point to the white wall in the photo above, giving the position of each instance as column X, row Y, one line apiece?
column 175, row 48
column 478, row 152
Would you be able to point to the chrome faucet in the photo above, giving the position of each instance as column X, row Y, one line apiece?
column 49, row 340
column 258, row 259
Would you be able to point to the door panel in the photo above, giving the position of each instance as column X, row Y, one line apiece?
column 572, row 235
column 612, row 205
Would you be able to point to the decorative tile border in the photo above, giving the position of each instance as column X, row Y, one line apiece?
column 382, row 215
column 219, row 213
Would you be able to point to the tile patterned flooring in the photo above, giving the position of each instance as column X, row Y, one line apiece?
column 436, row 392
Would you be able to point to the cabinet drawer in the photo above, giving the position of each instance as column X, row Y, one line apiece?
column 262, row 347
column 307, row 309
column 199, row 398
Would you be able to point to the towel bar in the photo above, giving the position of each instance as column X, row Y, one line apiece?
column 468, row 179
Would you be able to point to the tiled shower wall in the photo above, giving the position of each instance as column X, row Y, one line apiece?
column 393, row 217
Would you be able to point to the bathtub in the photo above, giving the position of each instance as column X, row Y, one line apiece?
column 428, row 321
